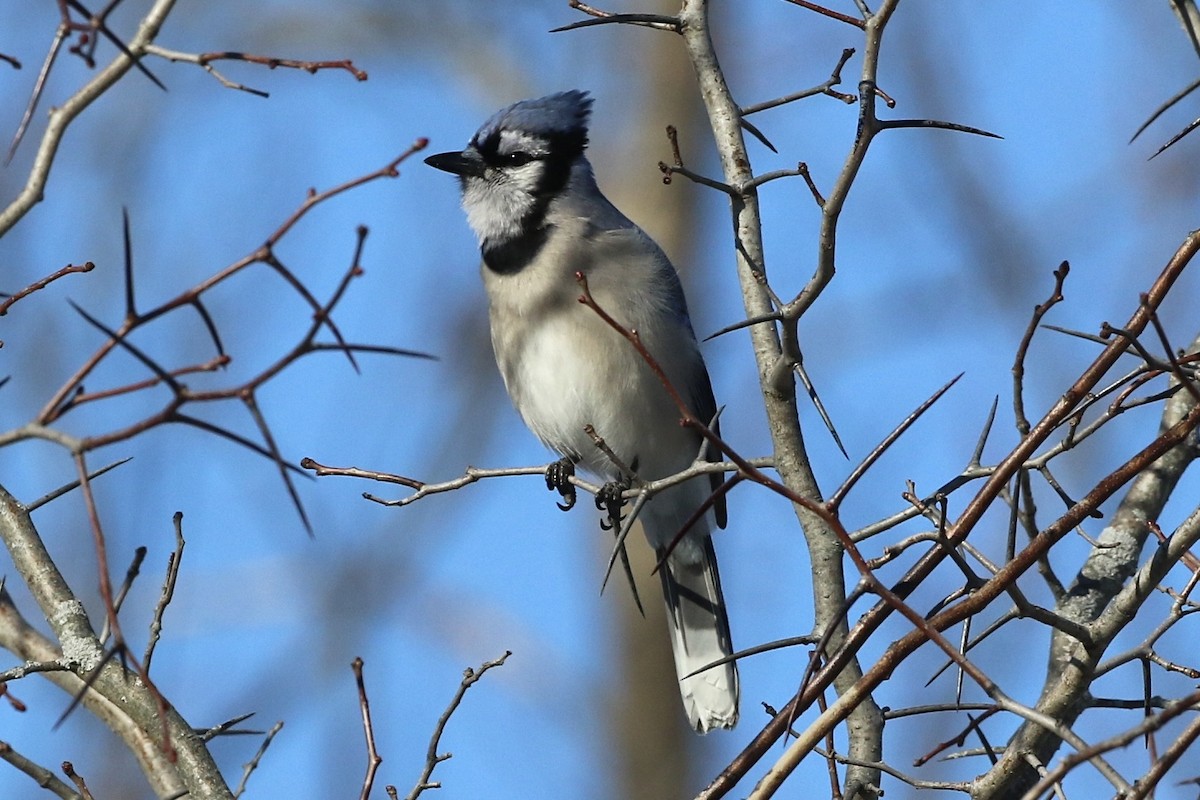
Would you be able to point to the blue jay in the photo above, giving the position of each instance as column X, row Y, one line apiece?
column 532, row 201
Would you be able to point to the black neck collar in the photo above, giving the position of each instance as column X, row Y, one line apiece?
column 513, row 255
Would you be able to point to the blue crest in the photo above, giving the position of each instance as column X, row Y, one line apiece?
column 561, row 115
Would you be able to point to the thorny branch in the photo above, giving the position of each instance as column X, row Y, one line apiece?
column 1066, row 417
column 91, row 29
column 65, row 113
column 894, row 601
column 109, row 681
column 774, row 324
column 70, row 394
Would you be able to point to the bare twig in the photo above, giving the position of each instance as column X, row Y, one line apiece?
column 432, row 757
column 826, row 88
column 1122, row 739
column 204, row 60
column 168, row 590
column 69, row 269
column 251, row 765
column 44, row 777
column 70, row 394
column 373, row 757
column 65, row 113
column 135, row 567
column 60, row 491
column 858, row 23
column 69, row 770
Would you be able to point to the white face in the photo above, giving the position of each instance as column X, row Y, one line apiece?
column 499, row 202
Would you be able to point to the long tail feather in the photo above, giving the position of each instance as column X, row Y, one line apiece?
column 699, row 628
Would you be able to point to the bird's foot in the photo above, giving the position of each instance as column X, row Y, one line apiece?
column 610, row 500
column 558, row 479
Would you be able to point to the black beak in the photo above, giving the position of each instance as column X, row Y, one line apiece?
column 466, row 163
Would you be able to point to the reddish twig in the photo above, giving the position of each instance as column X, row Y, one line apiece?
column 70, row 394
column 204, row 60
column 894, row 600
column 858, row 23
column 271, row 62
column 69, row 269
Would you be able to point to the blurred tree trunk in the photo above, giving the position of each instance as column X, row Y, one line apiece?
column 654, row 748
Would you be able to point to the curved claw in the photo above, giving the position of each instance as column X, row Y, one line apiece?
column 558, row 479
column 609, row 500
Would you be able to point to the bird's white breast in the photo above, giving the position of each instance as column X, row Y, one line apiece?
column 565, row 369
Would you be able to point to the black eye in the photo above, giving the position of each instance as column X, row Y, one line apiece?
column 517, row 159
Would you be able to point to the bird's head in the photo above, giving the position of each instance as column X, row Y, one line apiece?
column 519, row 161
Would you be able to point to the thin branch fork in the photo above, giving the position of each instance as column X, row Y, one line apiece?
column 1150, row 724
column 69, row 395
column 835, row 79
column 827, row 514
column 432, row 757
column 64, row 114
column 190, row 297
column 205, row 60
column 212, row 365
column 966, row 522
column 978, row 600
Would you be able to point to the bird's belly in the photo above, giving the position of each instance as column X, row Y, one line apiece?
column 574, row 372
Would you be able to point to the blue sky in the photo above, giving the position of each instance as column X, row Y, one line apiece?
column 946, row 244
